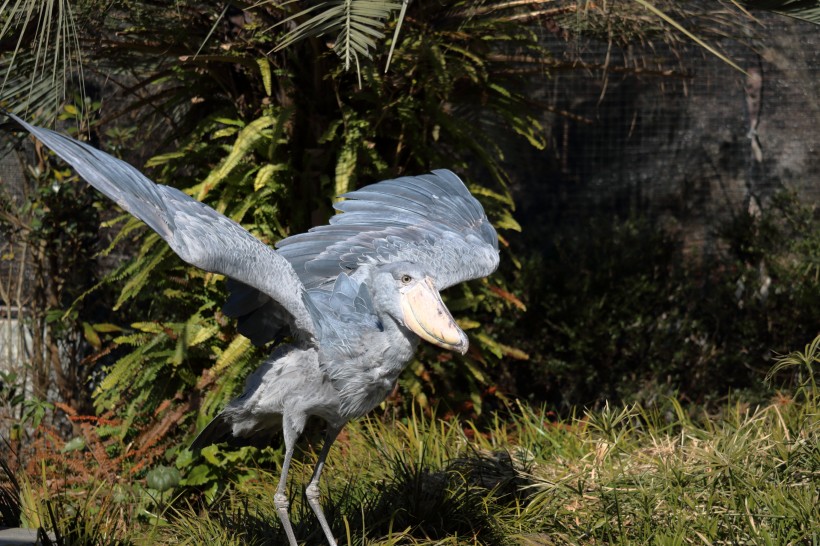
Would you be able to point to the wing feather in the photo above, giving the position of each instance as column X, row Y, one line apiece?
column 430, row 219
column 197, row 233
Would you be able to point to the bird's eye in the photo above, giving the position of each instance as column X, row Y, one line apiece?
column 405, row 279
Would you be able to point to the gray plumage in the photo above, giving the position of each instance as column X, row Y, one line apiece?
column 197, row 233
column 358, row 294
column 430, row 219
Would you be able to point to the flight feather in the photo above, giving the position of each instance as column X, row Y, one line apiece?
column 197, row 233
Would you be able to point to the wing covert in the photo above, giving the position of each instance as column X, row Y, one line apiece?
column 200, row 235
column 430, row 219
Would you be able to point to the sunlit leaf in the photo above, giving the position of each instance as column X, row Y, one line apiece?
column 75, row 444
column 91, row 335
column 236, row 350
column 247, row 138
column 267, row 77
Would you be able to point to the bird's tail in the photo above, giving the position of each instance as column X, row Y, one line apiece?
column 219, row 430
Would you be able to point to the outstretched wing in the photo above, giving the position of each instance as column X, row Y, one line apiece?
column 197, row 233
column 431, row 220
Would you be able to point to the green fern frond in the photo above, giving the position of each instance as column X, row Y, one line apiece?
column 264, row 175
column 149, row 327
column 131, row 224
column 143, row 274
column 247, row 138
column 200, row 334
column 232, row 354
column 229, row 382
column 135, row 340
column 124, row 373
column 359, row 23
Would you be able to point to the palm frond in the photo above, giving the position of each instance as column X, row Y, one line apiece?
column 807, row 10
column 359, row 24
column 24, row 87
column 689, row 34
column 40, row 55
column 399, row 21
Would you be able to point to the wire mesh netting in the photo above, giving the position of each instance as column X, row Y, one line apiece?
column 673, row 132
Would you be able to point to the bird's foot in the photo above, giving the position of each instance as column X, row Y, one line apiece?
column 312, row 494
column 280, row 501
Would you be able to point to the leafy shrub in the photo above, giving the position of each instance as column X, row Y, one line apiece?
column 617, row 312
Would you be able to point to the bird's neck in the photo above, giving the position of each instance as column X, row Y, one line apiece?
column 403, row 343
column 384, row 355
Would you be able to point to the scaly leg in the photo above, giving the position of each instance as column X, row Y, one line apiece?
column 291, row 430
column 312, row 491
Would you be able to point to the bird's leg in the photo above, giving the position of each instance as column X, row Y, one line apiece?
column 291, row 432
column 280, row 499
column 312, row 491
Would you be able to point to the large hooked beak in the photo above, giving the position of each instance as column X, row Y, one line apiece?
column 426, row 315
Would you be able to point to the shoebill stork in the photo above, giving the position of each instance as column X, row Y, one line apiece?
column 358, row 294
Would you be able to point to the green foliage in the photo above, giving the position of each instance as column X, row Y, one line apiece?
column 717, row 481
column 49, row 223
column 85, row 523
column 635, row 474
column 210, row 474
column 42, row 43
column 803, row 367
column 413, row 483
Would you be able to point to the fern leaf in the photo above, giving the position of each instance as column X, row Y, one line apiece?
column 265, row 175
column 141, row 278
column 247, row 138
column 232, row 354
column 130, row 225
column 122, row 374
column 202, row 334
column 149, row 327
column 265, row 72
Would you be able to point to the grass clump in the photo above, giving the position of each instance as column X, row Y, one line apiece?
column 637, row 476
column 746, row 477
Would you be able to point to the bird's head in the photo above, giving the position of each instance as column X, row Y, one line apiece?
column 408, row 293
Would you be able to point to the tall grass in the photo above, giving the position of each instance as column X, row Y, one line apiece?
column 627, row 475
column 621, row 475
